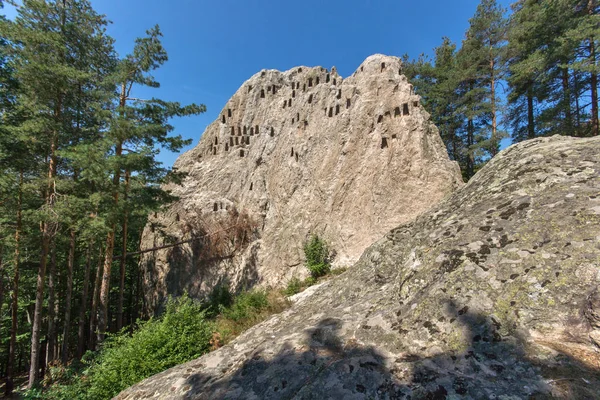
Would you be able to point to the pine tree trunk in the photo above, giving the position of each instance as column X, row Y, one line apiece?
column 123, row 258
column 1, row 287
column 37, row 313
column 594, row 90
column 594, row 75
column 131, row 301
column 576, row 87
column 530, row 119
column 105, row 286
column 470, row 143
column 67, row 321
column 47, row 234
column 95, row 299
column 494, row 138
column 51, row 345
column 83, row 306
column 567, row 102
column 110, row 238
column 15, row 294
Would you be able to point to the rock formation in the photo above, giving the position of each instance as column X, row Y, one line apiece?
column 493, row 293
column 292, row 153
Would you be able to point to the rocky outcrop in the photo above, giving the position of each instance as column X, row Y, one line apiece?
column 491, row 294
column 292, row 153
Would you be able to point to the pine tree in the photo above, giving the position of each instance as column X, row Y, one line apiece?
column 578, row 42
column 437, row 84
column 139, row 126
column 525, row 91
column 482, row 61
column 48, row 41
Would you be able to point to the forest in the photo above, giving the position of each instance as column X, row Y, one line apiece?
column 518, row 74
column 78, row 152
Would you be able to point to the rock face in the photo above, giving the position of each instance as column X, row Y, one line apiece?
column 292, row 153
column 492, row 294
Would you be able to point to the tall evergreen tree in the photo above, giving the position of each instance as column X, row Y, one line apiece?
column 138, row 127
column 48, row 41
column 481, row 64
column 579, row 43
column 525, row 91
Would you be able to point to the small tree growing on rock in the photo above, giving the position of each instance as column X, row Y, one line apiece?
column 317, row 256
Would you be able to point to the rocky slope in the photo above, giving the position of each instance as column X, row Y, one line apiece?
column 292, row 153
column 492, row 294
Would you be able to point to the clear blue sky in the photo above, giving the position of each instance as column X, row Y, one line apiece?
column 214, row 46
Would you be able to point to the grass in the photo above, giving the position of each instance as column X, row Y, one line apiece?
column 296, row 285
column 247, row 310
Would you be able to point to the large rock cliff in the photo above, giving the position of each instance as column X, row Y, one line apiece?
column 492, row 294
column 292, row 153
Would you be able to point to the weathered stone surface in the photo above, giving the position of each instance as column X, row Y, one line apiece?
column 491, row 294
column 298, row 151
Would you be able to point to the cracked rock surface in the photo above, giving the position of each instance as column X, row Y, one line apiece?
column 491, row 294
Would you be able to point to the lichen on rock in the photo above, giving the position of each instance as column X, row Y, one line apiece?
column 493, row 293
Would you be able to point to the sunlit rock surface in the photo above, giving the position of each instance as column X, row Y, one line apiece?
column 493, row 293
column 292, row 153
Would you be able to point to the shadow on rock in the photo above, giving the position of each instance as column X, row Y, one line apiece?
column 496, row 365
column 324, row 367
column 489, row 366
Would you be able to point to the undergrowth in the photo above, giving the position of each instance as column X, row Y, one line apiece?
column 186, row 330
column 318, row 257
column 296, row 285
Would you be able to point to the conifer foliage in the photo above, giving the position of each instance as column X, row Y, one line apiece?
column 78, row 176
column 79, row 173
column 525, row 72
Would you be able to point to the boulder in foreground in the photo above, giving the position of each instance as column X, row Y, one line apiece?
column 494, row 293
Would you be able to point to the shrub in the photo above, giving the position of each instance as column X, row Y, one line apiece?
column 180, row 335
column 317, row 257
column 248, row 309
column 218, row 299
column 246, row 305
column 185, row 331
column 294, row 286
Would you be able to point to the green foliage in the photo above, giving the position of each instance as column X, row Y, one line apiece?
column 84, row 146
column 294, row 286
column 553, row 68
column 246, row 305
column 317, row 256
column 247, row 309
column 460, row 88
column 180, row 335
column 220, row 297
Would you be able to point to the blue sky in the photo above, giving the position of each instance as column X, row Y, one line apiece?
column 214, row 46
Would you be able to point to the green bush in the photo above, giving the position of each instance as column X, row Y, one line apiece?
column 317, row 257
column 180, row 335
column 246, row 305
column 218, row 299
column 185, row 331
column 248, row 309
column 294, row 286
